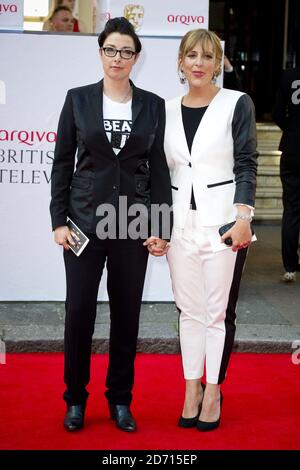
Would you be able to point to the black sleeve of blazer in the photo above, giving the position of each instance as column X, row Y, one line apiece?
column 63, row 165
column 161, row 193
column 245, row 154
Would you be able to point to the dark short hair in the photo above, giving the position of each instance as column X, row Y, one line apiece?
column 123, row 26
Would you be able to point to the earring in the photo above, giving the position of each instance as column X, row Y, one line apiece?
column 214, row 78
column 182, row 77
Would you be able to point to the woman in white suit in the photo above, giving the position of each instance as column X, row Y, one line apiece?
column 210, row 145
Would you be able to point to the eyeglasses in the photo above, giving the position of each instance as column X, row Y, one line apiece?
column 124, row 53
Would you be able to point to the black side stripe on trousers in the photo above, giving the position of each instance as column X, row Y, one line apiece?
column 231, row 312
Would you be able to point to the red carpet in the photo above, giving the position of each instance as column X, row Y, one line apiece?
column 260, row 410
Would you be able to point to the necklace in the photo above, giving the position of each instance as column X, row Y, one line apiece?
column 200, row 101
column 126, row 96
column 123, row 100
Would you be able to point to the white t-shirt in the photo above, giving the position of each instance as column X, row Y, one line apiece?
column 117, row 120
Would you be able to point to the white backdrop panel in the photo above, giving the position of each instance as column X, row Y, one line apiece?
column 36, row 71
column 11, row 15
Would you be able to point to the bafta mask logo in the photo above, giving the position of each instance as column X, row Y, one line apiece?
column 134, row 14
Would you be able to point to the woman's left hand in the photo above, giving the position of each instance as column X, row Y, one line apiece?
column 156, row 246
column 240, row 234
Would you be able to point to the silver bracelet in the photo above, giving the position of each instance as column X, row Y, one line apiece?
column 244, row 217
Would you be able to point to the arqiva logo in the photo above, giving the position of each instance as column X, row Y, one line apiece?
column 27, row 137
column 8, row 8
column 185, row 19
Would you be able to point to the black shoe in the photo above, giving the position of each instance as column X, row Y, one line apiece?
column 191, row 422
column 74, row 418
column 121, row 414
column 210, row 425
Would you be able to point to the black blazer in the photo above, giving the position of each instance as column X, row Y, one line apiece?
column 287, row 111
column 139, row 171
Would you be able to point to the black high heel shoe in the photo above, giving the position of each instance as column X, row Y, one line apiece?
column 191, row 422
column 210, row 426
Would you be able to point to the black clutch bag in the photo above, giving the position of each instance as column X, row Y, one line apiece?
column 224, row 228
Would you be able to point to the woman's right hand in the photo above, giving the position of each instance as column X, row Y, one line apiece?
column 63, row 236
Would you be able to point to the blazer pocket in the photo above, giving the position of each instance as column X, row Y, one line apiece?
column 174, row 187
column 142, row 168
column 221, row 183
column 142, row 189
column 80, row 182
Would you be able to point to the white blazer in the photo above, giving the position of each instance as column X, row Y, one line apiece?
column 209, row 166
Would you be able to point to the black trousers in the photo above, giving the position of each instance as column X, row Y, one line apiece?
column 126, row 262
column 290, row 178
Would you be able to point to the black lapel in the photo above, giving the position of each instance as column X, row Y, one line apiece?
column 96, row 103
column 137, row 102
column 137, row 106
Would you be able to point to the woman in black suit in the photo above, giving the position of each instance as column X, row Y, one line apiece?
column 116, row 130
column 286, row 114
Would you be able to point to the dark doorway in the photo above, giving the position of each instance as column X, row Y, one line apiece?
column 253, row 32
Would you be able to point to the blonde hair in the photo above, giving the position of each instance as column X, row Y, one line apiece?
column 206, row 39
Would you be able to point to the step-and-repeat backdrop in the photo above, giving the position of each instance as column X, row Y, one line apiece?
column 11, row 15
column 155, row 17
column 36, row 72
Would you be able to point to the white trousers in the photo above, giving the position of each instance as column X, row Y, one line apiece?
column 202, row 281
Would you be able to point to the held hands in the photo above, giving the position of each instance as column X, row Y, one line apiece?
column 156, row 246
column 65, row 237
column 240, row 233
